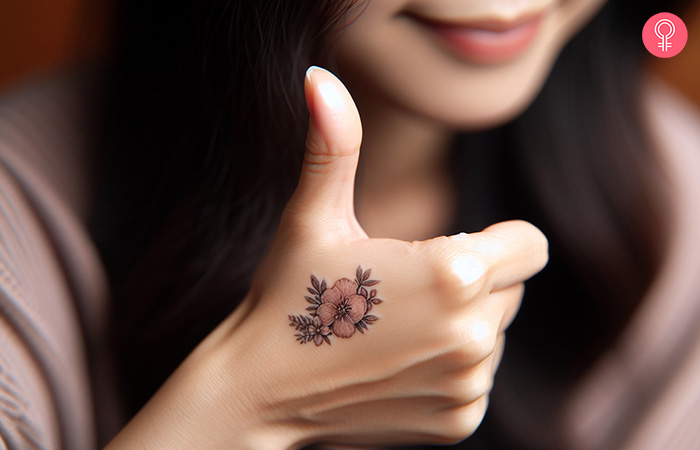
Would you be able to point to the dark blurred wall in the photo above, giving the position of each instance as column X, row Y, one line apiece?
column 683, row 70
column 37, row 36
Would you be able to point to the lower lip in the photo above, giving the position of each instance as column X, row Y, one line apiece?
column 486, row 46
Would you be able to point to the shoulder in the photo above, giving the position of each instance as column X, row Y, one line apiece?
column 52, row 289
column 664, row 329
column 674, row 125
column 43, row 136
column 45, row 189
column 658, row 353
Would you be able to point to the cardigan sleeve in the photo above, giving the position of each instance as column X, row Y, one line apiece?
column 648, row 385
column 53, row 293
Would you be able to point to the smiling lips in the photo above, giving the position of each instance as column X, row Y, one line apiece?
column 486, row 41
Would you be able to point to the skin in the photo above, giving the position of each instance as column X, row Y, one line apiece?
column 390, row 62
column 422, row 373
column 414, row 93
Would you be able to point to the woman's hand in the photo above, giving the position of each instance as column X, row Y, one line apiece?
column 405, row 353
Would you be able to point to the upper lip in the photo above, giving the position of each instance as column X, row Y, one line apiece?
column 488, row 24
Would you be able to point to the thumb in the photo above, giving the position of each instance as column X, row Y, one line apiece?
column 326, row 184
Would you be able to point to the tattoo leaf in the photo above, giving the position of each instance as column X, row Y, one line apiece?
column 300, row 322
column 315, row 283
column 314, row 301
column 361, row 326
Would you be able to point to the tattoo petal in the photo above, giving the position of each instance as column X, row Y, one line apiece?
column 326, row 313
column 346, row 287
column 357, row 307
column 344, row 327
column 333, row 296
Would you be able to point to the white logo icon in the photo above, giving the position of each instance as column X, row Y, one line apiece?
column 664, row 44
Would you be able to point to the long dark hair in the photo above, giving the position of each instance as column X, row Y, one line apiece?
column 207, row 122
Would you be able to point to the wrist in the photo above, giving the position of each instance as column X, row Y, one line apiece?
column 215, row 399
column 244, row 395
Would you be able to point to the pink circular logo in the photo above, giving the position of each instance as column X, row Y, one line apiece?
column 664, row 35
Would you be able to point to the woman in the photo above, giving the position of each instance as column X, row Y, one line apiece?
column 209, row 124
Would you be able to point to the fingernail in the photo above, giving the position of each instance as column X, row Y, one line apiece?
column 311, row 70
column 331, row 96
column 327, row 88
column 308, row 90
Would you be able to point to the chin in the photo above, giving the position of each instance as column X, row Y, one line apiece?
column 479, row 109
column 483, row 118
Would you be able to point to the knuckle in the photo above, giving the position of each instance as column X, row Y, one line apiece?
column 474, row 338
column 462, row 422
column 460, row 277
column 315, row 147
column 468, row 389
column 471, row 273
column 498, row 354
column 482, row 349
column 481, row 382
column 444, row 283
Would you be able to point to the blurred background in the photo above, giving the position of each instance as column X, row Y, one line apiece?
column 40, row 36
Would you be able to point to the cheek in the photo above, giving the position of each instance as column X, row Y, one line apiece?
column 391, row 58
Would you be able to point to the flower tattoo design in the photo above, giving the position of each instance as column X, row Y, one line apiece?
column 337, row 311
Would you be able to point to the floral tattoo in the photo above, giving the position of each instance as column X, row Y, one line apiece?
column 340, row 310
